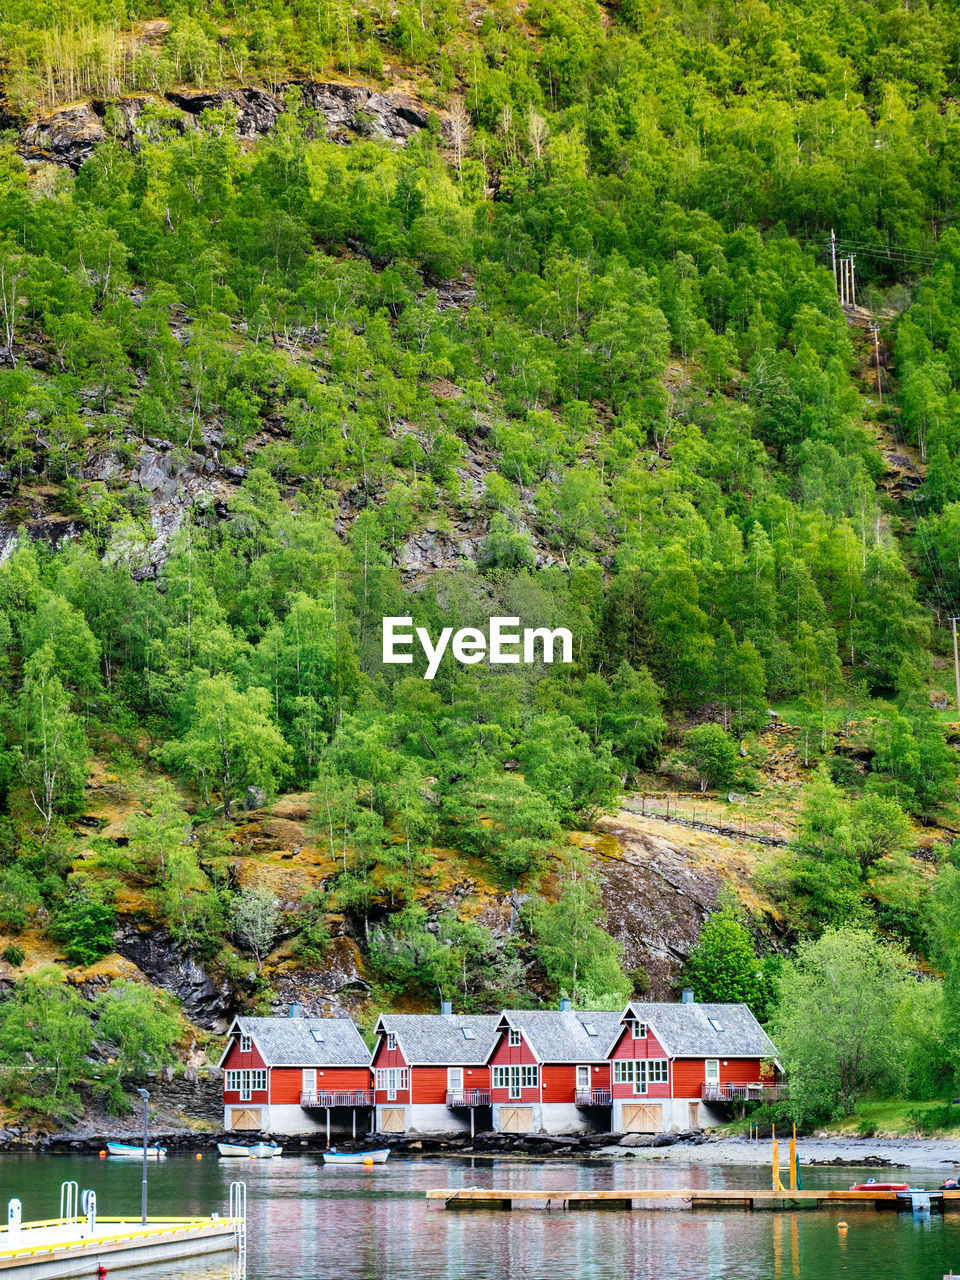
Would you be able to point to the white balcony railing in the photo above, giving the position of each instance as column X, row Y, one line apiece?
column 593, row 1097
column 336, row 1098
column 468, row 1097
column 757, row 1091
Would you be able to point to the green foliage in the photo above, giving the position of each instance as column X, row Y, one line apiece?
column 141, row 1024
column 712, row 753
column 835, row 1023
column 84, row 927
column 14, row 954
column 579, row 957
column 45, row 1018
column 724, row 967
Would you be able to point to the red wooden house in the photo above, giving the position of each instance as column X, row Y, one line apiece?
column 550, row 1070
column 430, row 1071
column 673, row 1066
column 296, row 1075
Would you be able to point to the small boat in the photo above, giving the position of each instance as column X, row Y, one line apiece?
column 870, row 1185
column 356, row 1157
column 128, row 1152
column 262, row 1150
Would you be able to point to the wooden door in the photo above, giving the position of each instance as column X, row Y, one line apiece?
column 642, row 1117
column 309, row 1084
column 516, row 1119
column 694, row 1118
column 245, row 1118
column 393, row 1120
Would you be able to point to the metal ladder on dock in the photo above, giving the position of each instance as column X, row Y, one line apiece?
column 238, row 1213
column 69, row 1202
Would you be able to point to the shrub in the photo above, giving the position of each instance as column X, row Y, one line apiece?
column 14, row 955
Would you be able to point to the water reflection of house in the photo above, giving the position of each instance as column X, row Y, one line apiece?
column 430, row 1071
column 296, row 1075
column 550, row 1070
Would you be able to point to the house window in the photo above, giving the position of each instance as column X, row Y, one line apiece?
column 590, row 1029
column 712, row 1070
column 391, row 1040
column 392, row 1079
column 515, row 1079
column 641, row 1072
column 245, row 1082
column 513, row 1038
column 317, row 1035
column 638, row 1030
column 468, row 1033
column 246, row 1043
column 715, row 1023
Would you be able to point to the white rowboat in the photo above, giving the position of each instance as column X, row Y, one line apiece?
column 356, row 1157
column 262, row 1150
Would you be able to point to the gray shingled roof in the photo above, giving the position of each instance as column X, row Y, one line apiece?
column 558, row 1035
column 685, row 1030
column 428, row 1039
column 290, row 1042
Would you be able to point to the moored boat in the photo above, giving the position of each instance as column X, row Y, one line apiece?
column 870, row 1185
column 262, row 1150
column 128, row 1152
column 356, row 1157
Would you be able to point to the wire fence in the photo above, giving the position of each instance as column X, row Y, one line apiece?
column 683, row 812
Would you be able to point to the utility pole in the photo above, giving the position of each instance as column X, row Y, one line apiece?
column 956, row 661
column 853, row 291
column 875, row 330
column 833, row 256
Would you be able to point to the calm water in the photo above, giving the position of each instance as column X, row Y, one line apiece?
column 310, row 1223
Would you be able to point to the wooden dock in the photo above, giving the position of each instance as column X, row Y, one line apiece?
column 679, row 1198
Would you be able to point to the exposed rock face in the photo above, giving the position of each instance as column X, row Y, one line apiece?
column 338, row 111
column 66, row 137
column 158, row 956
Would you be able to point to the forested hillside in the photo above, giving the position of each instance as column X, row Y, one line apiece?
column 317, row 314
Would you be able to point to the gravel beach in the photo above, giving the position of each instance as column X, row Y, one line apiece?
column 912, row 1153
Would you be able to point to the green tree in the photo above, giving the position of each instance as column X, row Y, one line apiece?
column 142, row 1025
column 84, row 925
column 50, row 750
column 836, row 1025
column 46, row 1021
column 571, row 943
column 231, row 741
column 723, row 967
column 712, row 753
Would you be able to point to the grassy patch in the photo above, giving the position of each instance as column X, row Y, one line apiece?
column 898, row 1117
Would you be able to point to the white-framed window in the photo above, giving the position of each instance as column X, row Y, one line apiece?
column 309, row 1082
column 392, row 1080
column 246, row 1043
column 515, row 1079
column 513, row 1038
column 712, row 1070
column 583, row 1077
column 455, row 1079
column 641, row 1072
column 245, row 1082
column 391, row 1040
column 638, row 1030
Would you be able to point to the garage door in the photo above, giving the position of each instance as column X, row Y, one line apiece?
column 642, row 1117
column 393, row 1120
column 245, row 1118
column 516, row 1119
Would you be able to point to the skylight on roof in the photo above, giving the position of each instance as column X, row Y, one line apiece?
column 317, row 1034
column 590, row 1029
column 468, row 1033
column 715, row 1024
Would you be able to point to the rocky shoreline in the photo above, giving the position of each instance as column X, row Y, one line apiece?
column 696, row 1147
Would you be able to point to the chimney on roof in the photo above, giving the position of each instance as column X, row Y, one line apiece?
column 446, row 1008
column 566, row 1006
column 294, row 1011
column 687, row 996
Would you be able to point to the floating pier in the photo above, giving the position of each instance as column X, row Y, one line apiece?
column 684, row 1198
column 81, row 1244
